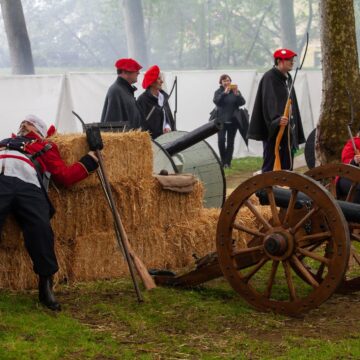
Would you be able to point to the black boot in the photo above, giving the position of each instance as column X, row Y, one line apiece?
column 46, row 294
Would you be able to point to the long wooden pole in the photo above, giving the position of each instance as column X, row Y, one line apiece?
column 121, row 234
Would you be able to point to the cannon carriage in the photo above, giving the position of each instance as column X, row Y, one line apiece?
column 301, row 241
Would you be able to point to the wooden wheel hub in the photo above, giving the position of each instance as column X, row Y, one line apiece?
column 278, row 245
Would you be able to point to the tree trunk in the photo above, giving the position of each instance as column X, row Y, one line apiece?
column 135, row 34
column 287, row 22
column 17, row 37
column 340, row 76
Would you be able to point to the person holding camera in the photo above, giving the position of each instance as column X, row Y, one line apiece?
column 227, row 100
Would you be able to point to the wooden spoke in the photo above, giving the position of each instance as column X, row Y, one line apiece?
column 355, row 255
column 291, row 205
column 314, row 256
column 355, row 237
column 274, row 268
column 256, row 268
column 274, row 211
column 305, row 272
column 254, row 232
column 332, row 188
column 304, row 219
column 259, row 216
column 313, row 239
column 248, row 250
column 351, row 193
column 289, row 280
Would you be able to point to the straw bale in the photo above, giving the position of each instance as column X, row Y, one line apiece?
column 140, row 204
column 97, row 255
column 126, row 155
column 11, row 236
column 16, row 270
column 176, row 207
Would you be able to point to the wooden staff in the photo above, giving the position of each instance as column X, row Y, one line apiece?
column 121, row 235
column 95, row 143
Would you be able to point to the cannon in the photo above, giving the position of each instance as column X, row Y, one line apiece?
column 299, row 238
column 188, row 152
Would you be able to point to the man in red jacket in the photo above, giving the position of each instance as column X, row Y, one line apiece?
column 24, row 159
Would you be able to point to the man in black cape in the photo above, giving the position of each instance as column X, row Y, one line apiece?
column 120, row 103
column 267, row 115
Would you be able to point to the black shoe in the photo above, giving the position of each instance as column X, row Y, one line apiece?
column 46, row 294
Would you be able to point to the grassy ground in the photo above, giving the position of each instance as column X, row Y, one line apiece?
column 103, row 320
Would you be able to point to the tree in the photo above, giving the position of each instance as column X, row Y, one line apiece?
column 287, row 22
column 135, row 33
column 340, row 75
column 17, row 36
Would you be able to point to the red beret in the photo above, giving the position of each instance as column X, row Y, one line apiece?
column 150, row 76
column 284, row 54
column 128, row 65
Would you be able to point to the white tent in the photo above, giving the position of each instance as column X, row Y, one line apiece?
column 53, row 97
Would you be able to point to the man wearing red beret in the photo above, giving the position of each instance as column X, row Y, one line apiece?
column 120, row 103
column 267, row 115
column 153, row 103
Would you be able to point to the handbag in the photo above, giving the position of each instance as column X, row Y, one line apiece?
column 213, row 114
column 242, row 118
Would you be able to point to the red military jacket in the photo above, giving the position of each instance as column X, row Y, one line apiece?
column 348, row 152
column 52, row 162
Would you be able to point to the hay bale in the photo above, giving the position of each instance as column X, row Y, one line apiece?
column 16, row 270
column 97, row 256
column 126, row 155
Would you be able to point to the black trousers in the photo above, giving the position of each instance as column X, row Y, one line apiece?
column 286, row 158
column 226, row 139
column 31, row 209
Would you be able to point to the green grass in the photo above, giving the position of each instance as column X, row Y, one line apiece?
column 249, row 164
column 245, row 164
column 102, row 320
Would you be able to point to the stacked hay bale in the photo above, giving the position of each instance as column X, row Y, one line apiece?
column 164, row 228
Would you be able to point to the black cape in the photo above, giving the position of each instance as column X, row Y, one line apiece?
column 269, row 107
column 120, row 105
column 154, row 124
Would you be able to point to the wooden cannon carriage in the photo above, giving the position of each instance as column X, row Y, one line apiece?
column 299, row 241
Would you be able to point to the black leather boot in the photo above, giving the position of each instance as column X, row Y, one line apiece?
column 46, row 294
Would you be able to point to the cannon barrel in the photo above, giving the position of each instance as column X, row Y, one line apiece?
column 351, row 211
column 193, row 137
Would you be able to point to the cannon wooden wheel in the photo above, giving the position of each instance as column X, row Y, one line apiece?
column 281, row 243
column 326, row 175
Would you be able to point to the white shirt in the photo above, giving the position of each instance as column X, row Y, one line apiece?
column 161, row 99
column 18, row 168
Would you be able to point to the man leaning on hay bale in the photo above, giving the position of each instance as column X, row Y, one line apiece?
column 25, row 159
